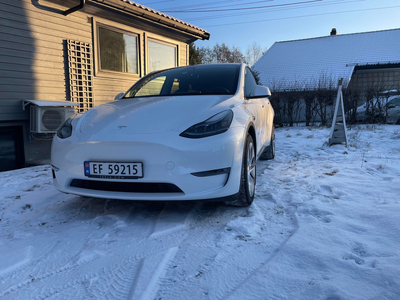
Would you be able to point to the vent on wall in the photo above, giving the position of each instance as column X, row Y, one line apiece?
column 80, row 64
column 49, row 119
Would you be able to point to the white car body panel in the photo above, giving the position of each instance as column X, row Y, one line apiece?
column 147, row 130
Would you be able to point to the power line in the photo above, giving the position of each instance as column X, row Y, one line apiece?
column 304, row 16
column 159, row 2
column 332, row 2
column 238, row 4
column 204, row 4
column 243, row 8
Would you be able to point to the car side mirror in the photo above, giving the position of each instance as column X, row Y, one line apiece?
column 260, row 92
column 119, row 96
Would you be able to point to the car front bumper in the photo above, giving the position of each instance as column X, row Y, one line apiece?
column 167, row 159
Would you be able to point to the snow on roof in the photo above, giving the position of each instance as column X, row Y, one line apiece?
column 303, row 62
column 163, row 15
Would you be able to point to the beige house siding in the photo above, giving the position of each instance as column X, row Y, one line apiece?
column 33, row 61
column 32, row 54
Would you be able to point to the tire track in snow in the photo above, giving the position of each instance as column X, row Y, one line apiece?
column 19, row 267
column 136, row 280
column 31, row 279
column 263, row 264
column 165, row 234
column 152, row 287
column 168, row 227
column 150, row 260
column 51, row 257
column 292, row 209
column 161, row 228
column 216, row 272
column 116, row 283
column 163, row 224
column 18, row 264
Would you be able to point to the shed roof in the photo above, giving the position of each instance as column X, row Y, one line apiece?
column 304, row 62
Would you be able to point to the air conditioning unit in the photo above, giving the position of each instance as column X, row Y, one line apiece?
column 48, row 119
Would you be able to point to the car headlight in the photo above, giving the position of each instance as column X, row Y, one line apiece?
column 217, row 124
column 65, row 130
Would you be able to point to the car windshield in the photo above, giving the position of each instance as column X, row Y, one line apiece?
column 193, row 80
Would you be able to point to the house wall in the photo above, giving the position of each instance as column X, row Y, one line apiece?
column 33, row 54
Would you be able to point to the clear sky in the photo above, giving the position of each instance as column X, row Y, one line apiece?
column 243, row 22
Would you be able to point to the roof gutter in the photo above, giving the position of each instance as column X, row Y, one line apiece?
column 75, row 8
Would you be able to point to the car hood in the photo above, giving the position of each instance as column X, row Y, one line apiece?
column 147, row 115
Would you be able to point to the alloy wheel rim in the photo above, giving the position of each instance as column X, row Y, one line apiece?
column 251, row 169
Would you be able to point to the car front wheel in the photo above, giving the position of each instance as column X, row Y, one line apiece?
column 248, row 175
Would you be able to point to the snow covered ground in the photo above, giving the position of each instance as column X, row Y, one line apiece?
column 325, row 224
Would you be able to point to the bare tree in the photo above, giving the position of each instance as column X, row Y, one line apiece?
column 277, row 102
column 352, row 99
column 309, row 97
column 237, row 55
column 221, row 53
column 224, row 54
column 374, row 108
column 207, row 55
column 254, row 53
column 292, row 101
column 325, row 95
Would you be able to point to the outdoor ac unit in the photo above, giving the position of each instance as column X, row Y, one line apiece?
column 48, row 119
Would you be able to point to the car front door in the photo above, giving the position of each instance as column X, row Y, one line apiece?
column 257, row 107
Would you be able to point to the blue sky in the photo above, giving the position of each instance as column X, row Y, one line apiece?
column 236, row 23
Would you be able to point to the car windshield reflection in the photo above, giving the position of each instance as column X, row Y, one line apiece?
column 196, row 80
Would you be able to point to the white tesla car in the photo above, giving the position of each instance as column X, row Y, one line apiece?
column 189, row 133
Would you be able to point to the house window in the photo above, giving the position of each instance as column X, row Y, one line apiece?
column 118, row 51
column 161, row 56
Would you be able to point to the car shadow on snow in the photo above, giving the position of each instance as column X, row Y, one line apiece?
column 87, row 208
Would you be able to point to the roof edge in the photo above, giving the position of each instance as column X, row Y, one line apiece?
column 152, row 15
column 333, row 36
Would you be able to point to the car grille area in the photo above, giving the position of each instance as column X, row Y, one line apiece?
column 130, row 187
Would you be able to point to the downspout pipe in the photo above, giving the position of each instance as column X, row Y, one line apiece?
column 75, row 8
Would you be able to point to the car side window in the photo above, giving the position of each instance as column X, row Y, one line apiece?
column 394, row 102
column 249, row 84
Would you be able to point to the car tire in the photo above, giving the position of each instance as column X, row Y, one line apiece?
column 269, row 151
column 248, row 175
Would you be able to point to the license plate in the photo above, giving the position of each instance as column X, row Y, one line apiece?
column 113, row 170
